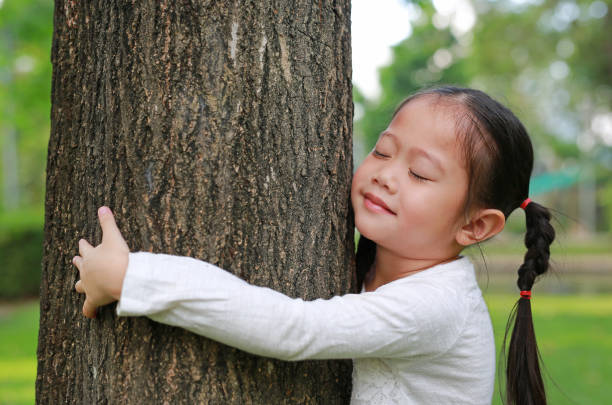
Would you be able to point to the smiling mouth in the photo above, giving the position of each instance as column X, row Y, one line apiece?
column 376, row 205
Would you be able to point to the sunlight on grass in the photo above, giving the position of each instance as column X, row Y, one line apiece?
column 17, row 369
column 18, row 339
column 17, row 377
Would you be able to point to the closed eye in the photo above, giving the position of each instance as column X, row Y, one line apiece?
column 378, row 154
column 417, row 177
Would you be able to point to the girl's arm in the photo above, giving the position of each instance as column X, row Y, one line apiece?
column 398, row 320
column 209, row 301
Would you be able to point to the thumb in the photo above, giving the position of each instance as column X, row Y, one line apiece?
column 110, row 231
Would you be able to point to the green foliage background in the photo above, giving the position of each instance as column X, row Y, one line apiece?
column 26, row 28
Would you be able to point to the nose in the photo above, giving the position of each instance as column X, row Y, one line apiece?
column 386, row 179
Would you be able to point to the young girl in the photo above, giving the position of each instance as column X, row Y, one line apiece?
column 445, row 174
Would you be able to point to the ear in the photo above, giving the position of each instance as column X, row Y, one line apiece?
column 483, row 225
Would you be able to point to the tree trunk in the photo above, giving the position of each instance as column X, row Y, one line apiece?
column 216, row 130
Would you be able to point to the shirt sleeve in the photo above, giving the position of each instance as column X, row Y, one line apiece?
column 209, row 301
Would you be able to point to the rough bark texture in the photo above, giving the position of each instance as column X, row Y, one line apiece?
column 219, row 130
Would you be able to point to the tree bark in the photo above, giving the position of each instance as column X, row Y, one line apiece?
column 216, row 130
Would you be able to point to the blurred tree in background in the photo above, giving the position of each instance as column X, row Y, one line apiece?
column 549, row 61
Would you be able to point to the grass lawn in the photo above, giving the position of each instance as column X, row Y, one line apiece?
column 18, row 340
column 574, row 334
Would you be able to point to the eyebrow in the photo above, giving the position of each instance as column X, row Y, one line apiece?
column 416, row 150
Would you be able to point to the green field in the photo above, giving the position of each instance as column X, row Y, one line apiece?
column 18, row 340
column 574, row 333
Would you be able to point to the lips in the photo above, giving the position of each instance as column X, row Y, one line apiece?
column 375, row 204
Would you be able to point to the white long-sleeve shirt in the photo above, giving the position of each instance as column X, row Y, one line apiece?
column 422, row 339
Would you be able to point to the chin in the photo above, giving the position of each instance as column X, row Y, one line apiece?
column 366, row 230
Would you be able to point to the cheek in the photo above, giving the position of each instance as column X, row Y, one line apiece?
column 425, row 209
column 358, row 179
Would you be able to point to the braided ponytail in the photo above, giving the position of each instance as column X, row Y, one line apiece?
column 524, row 384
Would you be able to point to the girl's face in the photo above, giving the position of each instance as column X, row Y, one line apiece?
column 409, row 192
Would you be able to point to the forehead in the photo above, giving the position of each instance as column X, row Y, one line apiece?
column 428, row 119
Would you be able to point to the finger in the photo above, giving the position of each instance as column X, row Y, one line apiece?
column 110, row 231
column 84, row 247
column 79, row 287
column 77, row 261
column 89, row 310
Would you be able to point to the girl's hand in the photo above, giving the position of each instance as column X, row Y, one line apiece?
column 102, row 269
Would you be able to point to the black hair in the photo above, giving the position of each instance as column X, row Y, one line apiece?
column 499, row 161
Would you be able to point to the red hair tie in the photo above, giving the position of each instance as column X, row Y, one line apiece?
column 526, row 294
column 525, row 203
